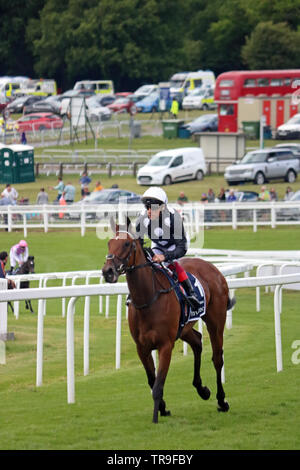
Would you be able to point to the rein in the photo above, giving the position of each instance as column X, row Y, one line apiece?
column 123, row 269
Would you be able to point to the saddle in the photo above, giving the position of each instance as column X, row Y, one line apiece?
column 186, row 313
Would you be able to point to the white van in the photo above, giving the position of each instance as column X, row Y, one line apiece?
column 97, row 86
column 170, row 166
column 184, row 83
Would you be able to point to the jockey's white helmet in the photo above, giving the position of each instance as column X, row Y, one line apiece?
column 155, row 195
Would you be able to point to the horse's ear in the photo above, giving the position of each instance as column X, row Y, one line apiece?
column 128, row 224
column 113, row 225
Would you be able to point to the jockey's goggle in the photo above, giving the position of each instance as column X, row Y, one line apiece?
column 152, row 203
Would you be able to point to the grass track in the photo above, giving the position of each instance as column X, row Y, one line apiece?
column 113, row 409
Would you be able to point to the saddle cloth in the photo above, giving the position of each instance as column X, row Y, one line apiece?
column 187, row 314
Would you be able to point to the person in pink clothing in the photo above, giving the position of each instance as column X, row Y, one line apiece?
column 18, row 254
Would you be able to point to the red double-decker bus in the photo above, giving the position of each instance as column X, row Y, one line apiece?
column 230, row 86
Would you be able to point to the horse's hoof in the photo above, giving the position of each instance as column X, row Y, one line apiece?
column 224, row 407
column 204, row 392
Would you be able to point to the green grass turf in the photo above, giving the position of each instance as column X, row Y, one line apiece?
column 113, row 409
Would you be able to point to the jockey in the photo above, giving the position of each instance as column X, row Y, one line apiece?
column 18, row 254
column 164, row 227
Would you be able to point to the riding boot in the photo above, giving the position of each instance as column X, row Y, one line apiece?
column 191, row 297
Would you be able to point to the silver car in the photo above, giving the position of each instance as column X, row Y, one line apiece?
column 263, row 165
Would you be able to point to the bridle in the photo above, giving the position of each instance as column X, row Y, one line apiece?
column 123, row 268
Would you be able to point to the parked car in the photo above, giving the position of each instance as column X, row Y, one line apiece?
column 38, row 121
column 98, row 113
column 290, row 213
column 263, row 165
column 170, row 166
column 290, row 129
column 4, row 101
column 204, row 123
column 199, row 98
column 107, row 196
column 17, row 105
column 244, row 196
column 49, row 105
column 290, row 146
column 100, row 100
column 123, row 105
column 149, row 104
column 145, row 90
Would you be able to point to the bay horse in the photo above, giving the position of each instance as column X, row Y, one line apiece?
column 26, row 268
column 154, row 313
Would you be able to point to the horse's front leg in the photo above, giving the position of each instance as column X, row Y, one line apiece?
column 30, row 306
column 147, row 361
column 165, row 354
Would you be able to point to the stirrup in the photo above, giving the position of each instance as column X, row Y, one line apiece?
column 128, row 300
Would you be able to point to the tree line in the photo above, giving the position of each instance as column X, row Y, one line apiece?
column 145, row 41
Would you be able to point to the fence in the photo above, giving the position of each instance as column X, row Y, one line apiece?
column 195, row 215
column 119, row 289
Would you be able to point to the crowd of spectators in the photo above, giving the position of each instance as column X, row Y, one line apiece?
column 229, row 195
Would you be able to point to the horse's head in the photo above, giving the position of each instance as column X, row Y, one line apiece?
column 30, row 264
column 121, row 253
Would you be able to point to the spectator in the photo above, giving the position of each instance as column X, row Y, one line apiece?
column 288, row 194
column 211, row 195
column 98, row 186
column 273, row 195
column 86, row 192
column 114, row 186
column 18, row 254
column 264, row 194
column 11, row 193
column 23, row 138
column 59, row 187
column 231, row 196
column 42, row 197
column 204, row 198
column 5, row 201
column 222, row 195
column 69, row 193
column 85, row 180
column 3, row 261
column 182, row 198
column 174, row 108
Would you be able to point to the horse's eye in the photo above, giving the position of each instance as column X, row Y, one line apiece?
column 127, row 244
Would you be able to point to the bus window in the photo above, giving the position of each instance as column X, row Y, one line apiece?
column 286, row 81
column 262, row 82
column 249, row 82
column 276, row 82
column 226, row 83
column 226, row 110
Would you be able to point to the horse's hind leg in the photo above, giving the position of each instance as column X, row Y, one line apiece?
column 194, row 339
column 147, row 360
column 216, row 338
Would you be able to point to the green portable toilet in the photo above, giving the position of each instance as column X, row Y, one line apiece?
column 7, row 165
column 24, row 162
column 16, row 164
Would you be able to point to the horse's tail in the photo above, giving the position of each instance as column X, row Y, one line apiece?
column 231, row 303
